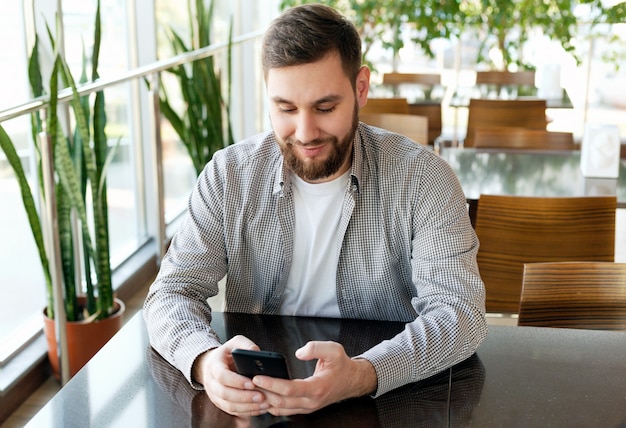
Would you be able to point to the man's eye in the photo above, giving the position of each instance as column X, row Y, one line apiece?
column 326, row 110
column 285, row 109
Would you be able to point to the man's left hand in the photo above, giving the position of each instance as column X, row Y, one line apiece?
column 336, row 378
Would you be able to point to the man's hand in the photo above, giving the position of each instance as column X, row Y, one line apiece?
column 233, row 393
column 337, row 377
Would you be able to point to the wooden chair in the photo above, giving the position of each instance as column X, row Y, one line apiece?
column 489, row 113
column 429, row 79
column 386, row 105
column 502, row 78
column 523, row 138
column 432, row 111
column 590, row 295
column 434, row 114
column 514, row 230
column 412, row 126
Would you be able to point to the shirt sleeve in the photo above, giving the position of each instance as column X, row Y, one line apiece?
column 450, row 300
column 176, row 311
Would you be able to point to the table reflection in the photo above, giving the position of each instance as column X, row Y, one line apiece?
column 527, row 173
column 415, row 93
column 448, row 397
column 462, row 95
column 521, row 376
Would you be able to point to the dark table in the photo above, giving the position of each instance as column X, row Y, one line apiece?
column 521, row 376
column 529, row 173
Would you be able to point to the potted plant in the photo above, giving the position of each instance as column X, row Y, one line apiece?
column 78, row 182
column 204, row 125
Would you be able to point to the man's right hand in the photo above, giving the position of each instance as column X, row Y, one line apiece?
column 228, row 390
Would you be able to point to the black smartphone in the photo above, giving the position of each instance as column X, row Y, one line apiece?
column 251, row 363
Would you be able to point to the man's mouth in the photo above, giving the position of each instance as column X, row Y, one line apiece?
column 312, row 151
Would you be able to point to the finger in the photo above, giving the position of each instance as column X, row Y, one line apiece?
column 286, row 405
column 277, row 386
column 238, row 402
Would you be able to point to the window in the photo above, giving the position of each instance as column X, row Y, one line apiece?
column 23, row 290
column 21, row 279
column 128, row 41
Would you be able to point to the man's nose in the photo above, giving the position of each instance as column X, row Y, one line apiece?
column 307, row 128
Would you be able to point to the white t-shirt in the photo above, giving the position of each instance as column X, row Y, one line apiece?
column 312, row 284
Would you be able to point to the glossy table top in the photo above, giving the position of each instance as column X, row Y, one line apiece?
column 415, row 93
column 463, row 94
column 524, row 173
column 422, row 94
column 521, row 376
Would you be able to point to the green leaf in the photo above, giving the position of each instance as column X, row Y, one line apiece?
column 204, row 126
column 29, row 205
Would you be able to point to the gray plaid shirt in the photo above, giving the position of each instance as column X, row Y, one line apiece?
column 408, row 253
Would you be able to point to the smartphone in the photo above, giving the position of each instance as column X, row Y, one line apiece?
column 251, row 363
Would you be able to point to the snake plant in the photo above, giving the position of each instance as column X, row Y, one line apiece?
column 204, row 127
column 80, row 162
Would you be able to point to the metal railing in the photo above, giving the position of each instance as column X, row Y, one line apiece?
column 140, row 72
column 150, row 73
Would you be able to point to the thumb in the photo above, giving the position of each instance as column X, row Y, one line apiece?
column 316, row 350
column 304, row 353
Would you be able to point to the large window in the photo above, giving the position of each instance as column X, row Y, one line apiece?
column 21, row 280
column 132, row 36
column 23, row 290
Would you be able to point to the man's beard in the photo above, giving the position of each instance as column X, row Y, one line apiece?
column 310, row 169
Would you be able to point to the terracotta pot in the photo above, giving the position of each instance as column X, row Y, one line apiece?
column 84, row 339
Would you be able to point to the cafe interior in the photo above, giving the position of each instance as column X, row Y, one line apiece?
column 532, row 119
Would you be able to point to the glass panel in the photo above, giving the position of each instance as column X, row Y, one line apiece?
column 22, row 288
column 21, row 277
column 14, row 90
column 178, row 173
column 127, row 230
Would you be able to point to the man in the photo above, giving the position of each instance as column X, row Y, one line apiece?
column 321, row 216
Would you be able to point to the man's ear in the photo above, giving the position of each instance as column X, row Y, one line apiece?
column 362, row 85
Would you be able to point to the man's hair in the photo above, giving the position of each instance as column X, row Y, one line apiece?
column 308, row 33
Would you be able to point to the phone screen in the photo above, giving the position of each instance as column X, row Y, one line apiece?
column 252, row 363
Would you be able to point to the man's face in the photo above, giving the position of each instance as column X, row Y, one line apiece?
column 314, row 113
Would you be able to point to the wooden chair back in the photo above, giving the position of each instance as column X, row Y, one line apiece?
column 420, row 78
column 386, row 105
column 520, row 78
column 432, row 111
column 523, row 138
column 490, row 113
column 410, row 125
column 514, row 230
column 434, row 114
column 590, row 295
